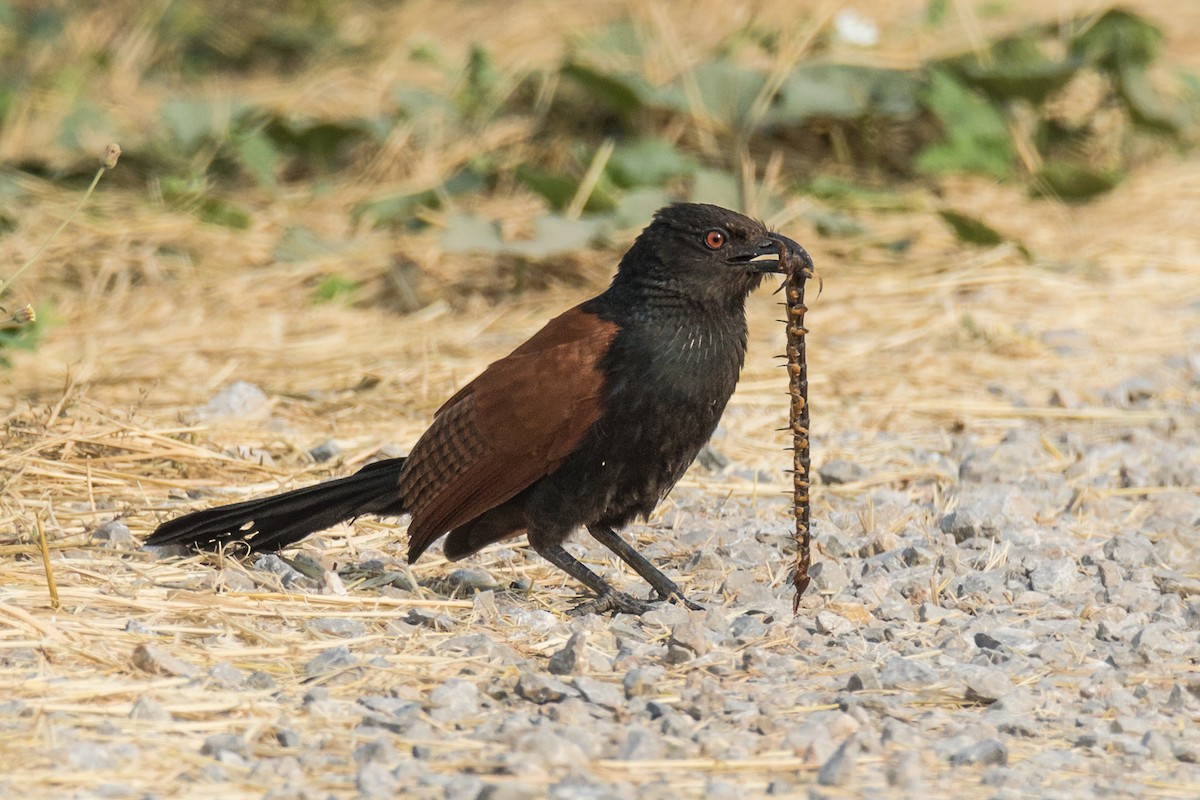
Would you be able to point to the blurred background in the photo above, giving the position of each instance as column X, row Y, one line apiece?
column 353, row 206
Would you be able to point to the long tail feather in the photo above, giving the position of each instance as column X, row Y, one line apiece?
column 272, row 523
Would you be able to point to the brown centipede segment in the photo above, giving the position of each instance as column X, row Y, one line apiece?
column 797, row 270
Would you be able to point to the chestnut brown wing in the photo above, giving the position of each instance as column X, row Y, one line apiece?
column 512, row 425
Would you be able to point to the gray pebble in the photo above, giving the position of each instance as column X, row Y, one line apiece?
column 989, row 751
column 839, row 470
column 288, row 575
column 337, row 626
column 151, row 658
column 540, row 689
column 149, row 709
column 903, row 673
column 904, row 770
column 454, row 700
column 331, row 660
column 115, row 534
column 1057, row 577
column 375, row 780
column 227, row 676
column 838, row 769
column 238, row 400
column 511, row 790
column 828, row 577
column 220, row 743
column 572, row 657
column 600, row 693
column 691, row 636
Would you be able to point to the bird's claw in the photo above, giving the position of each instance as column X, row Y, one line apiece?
column 614, row 601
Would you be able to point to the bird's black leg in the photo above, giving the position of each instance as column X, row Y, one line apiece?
column 607, row 598
column 667, row 589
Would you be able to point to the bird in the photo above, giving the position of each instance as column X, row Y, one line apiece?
column 588, row 424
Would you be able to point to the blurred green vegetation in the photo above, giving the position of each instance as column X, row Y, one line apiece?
column 1061, row 109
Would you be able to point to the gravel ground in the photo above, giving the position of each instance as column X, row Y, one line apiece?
column 1025, row 626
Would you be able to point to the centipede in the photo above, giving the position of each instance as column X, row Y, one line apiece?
column 797, row 269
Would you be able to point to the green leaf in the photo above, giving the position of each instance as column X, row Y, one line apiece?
column 1147, row 107
column 623, row 94
column 844, row 92
column 335, row 287
column 1116, row 39
column 727, row 91
column 553, row 234
column 217, row 211
column 1070, row 181
column 85, row 125
column 555, row 187
column 1015, row 67
column 834, row 224
column 258, row 155
column 190, row 122
column 840, row 192
column 648, row 162
column 975, row 136
column 971, row 230
column 401, row 209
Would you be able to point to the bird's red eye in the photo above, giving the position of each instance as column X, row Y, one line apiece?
column 715, row 239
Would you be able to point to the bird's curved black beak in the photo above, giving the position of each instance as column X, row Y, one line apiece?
column 765, row 255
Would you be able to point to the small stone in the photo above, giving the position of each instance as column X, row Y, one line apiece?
column 454, row 700
column 839, row 470
column 331, row 660
column 470, row 581
column 337, row 626
column 379, row 751
column 987, row 511
column 150, row 710
column 833, row 624
column 903, row 673
column 1056, row 578
column 325, row 451
column 691, row 636
column 288, row 575
column 375, row 780
column 428, row 619
column 903, row 770
column 864, row 680
column 261, row 680
column 238, row 400
column 551, row 750
column 286, row 737
column 220, row 743
column 838, row 769
column 985, row 753
column 157, row 661
column 572, row 657
column 227, row 676
column 828, row 577
column 600, row 693
column 1157, row 745
column 1186, row 750
column 540, row 689
column 114, row 534
column 511, row 790
column 985, row 684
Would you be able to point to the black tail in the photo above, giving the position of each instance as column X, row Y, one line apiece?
column 272, row 523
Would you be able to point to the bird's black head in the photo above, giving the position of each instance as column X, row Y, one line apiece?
column 705, row 252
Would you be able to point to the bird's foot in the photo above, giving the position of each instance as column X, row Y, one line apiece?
column 614, row 601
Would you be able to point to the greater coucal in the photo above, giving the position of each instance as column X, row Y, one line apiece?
column 589, row 423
